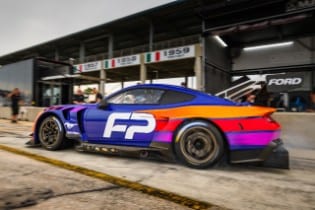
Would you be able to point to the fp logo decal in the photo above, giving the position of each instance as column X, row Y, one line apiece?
column 131, row 130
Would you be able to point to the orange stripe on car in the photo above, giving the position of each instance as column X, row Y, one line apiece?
column 212, row 112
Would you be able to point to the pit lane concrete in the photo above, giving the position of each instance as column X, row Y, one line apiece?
column 30, row 184
column 230, row 186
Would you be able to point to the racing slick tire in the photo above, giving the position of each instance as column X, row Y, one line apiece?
column 51, row 133
column 199, row 144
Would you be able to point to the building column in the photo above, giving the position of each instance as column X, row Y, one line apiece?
column 198, row 68
column 110, row 46
column 56, row 54
column 143, row 69
column 313, row 60
column 313, row 49
column 82, row 52
column 102, row 81
column 151, row 32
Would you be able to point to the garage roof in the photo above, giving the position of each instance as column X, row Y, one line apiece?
column 239, row 23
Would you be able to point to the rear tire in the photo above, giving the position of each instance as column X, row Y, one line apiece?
column 199, row 144
column 51, row 133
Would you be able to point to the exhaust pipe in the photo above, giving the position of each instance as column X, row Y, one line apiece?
column 144, row 154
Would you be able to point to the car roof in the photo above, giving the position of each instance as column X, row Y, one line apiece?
column 201, row 97
column 168, row 87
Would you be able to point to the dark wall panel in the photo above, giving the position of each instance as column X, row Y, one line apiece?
column 217, row 66
column 18, row 75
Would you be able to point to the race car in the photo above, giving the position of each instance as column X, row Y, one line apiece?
column 171, row 122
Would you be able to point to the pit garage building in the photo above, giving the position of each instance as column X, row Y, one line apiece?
column 213, row 41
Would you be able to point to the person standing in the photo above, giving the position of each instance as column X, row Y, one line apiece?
column 78, row 97
column 16, row 98
column 98, row 95
column 262, row 96
column 250, row 98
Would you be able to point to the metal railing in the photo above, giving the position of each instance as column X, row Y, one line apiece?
column 236, row 92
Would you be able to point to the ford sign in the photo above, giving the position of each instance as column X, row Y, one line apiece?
column 284, row 82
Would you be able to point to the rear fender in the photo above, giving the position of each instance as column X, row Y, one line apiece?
column 226, row 145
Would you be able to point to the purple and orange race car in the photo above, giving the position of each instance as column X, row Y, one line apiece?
column 170, row 122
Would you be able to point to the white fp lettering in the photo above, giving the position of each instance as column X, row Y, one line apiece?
column 110, row 125
column 131, row 130
column 140, row 129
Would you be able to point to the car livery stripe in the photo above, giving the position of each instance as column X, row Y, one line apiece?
column 258, row 138
column 76, row 109
column 163, row 136
column 247, row 124
column 167, row 124
column 241, row 125
column 217, row 112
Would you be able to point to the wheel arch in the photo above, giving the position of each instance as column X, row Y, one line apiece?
column 189, row 120
column 41, row 118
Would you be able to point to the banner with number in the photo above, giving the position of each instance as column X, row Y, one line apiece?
column 170, row 54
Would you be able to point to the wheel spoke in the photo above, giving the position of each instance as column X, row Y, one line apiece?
column 49, row 132
column 198, row 144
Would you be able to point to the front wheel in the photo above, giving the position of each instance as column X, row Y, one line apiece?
column 199, row 144
column 51, row 133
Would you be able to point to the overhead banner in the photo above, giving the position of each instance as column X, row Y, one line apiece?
column 170, row 54
column 285, row 82
column 130, row 60
column 86, row 67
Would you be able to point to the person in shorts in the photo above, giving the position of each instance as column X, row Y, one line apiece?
column 15, row 97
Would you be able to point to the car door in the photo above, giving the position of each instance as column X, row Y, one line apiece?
column 122, row 122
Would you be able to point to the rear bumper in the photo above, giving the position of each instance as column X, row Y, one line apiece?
column 274, row 155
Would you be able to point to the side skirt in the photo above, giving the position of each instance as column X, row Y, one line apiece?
column 155, row 151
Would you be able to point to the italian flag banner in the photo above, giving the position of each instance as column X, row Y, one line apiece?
column 124, row 61
column 153, row 57
column 85, row 67
column 170, row 54
column 77, row 68
column 110, row 63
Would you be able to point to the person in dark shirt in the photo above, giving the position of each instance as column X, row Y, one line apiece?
column 16, row 98
column 78, row 97
column 183, row 84
column 98, row 95
column 249, row 98
column 262, row 96
column 311, row 105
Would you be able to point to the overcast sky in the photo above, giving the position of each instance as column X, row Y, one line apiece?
column 24, row 23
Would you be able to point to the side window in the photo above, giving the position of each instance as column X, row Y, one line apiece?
column 118, row 99
column 138, row 96
column 173, row 97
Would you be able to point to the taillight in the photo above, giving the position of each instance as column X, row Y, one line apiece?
column 270, row 119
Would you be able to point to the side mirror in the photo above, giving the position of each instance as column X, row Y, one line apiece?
column 102, row 104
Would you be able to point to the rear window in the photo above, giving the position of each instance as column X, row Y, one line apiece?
column 173, row 97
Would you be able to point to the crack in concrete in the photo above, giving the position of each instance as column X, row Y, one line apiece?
column 87, row 191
